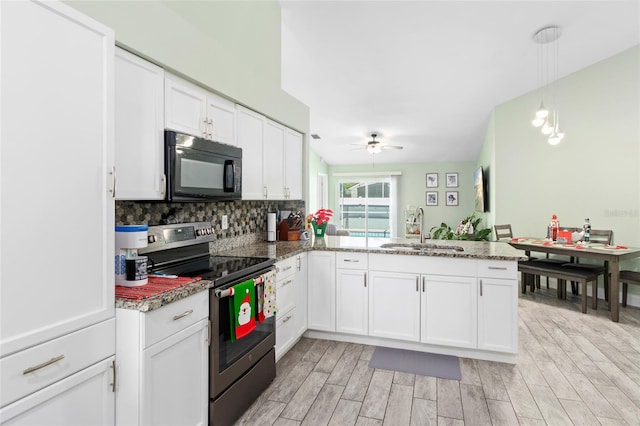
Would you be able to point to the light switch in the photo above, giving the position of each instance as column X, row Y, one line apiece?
column 225, row 221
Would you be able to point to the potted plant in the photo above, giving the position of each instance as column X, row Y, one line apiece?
column 468, row 229
column 319, row 221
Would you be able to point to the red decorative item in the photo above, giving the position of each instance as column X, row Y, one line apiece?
column 322, row 216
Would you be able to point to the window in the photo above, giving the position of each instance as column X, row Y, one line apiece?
column 365, row 207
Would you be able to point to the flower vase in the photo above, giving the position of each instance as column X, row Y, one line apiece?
column 319, row 230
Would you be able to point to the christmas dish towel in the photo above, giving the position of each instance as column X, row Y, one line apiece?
column 241, row 310
column 266, row 285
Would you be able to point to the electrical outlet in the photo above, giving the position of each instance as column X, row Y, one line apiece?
column 225, row 222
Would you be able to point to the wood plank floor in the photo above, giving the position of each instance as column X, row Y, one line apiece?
column 572, row 369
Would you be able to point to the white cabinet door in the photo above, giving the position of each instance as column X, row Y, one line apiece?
column 498, row 315
column 321, row 308
column 84, row 398
column 394, row 305
column 301, row 294
column 352, row 301
column 176, row 379
column 449, row 310
column 221, row 119
column 184, row 106
column 250, row 129
column 293, row 165
column 57, row 76
column 273, row 166
column 139, row 128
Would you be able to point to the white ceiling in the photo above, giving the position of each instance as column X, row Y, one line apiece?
column 427, row 74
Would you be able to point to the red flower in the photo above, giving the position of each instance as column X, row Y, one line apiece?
column 322, row 216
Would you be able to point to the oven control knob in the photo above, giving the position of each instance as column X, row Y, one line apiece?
column 199, row 232
column 209, row 231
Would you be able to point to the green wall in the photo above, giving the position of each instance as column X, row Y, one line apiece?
column 316, row 165
column 230, row 47
column 594, row 172
column 412, row 188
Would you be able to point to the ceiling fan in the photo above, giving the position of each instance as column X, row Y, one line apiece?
column 375, row 147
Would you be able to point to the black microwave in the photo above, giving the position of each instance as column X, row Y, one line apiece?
column 201, row 170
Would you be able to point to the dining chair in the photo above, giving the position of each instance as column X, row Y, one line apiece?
column 560, row 261
column 503, row 232
column 599, row 236
column 628, row 277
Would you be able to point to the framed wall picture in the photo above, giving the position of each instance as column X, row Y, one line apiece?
column 432, row 180
column 452, row 198
column 432, row 198
column 451, row 180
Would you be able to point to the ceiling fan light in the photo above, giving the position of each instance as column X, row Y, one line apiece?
column 374, row 149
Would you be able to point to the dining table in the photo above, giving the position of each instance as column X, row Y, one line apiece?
column 614, row 254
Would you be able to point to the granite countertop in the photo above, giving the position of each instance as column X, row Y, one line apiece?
column 281, row 250
column 471, row 249
column 156, row 302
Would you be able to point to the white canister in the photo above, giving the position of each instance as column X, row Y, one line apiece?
column 271, row 226
column 129, row 238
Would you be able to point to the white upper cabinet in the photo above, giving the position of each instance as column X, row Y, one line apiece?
column 273, row 165
column 139, row 128
column 192, row 110
column 293, row 163
column 271, row 158
column 250, row 130
column 221, row 120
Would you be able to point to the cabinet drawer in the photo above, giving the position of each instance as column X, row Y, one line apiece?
column 287, row 267
column 57, row 359
column 432, row 265
column 498, row 269
column 285, row 294
column 285, row 330
column 350, row 260
column 170, row 319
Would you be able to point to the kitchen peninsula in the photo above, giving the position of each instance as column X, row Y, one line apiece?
column 449, row 297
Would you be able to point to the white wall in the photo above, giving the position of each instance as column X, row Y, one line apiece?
column 231, row 47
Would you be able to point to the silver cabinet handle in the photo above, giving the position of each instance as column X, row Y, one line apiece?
column 298, row 263
column 182, row 315
column 418, row 284
column 287, row 282
column 113, row 384
column 43, row 365
column 365, row 280
column 286, row 319
column 265, row 191
column 163, row 185
column 351, row 260
column 423, row 279
column 287, row 268
column 113, row 181
column 500, row 268
column 480, row 287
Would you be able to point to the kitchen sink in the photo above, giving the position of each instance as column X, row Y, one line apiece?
column 421, row 247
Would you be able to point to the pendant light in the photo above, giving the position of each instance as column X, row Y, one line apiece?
column 548, row 122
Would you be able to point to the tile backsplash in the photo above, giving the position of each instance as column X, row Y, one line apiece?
column 247, row 219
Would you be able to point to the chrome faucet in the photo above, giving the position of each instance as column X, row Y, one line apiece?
column 419, row 215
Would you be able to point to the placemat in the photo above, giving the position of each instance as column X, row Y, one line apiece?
column 155, row 286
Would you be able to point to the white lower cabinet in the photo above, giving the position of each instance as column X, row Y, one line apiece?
column 291, row 293
column 449, row 311
column 321, row 287
column 175, row 388
column 163, row 357
column 497, row 314
column 394, row 305
column 84, row 398
column 352, row 293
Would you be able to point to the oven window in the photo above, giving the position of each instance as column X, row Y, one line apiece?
column 231, row 352
column 201, row 174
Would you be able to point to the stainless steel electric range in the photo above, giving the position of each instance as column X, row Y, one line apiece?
column 238, row 370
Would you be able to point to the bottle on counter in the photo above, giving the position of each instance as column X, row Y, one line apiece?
column 554, row 226
column 587, row 231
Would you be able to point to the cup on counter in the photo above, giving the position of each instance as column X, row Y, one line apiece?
column 304, row 235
